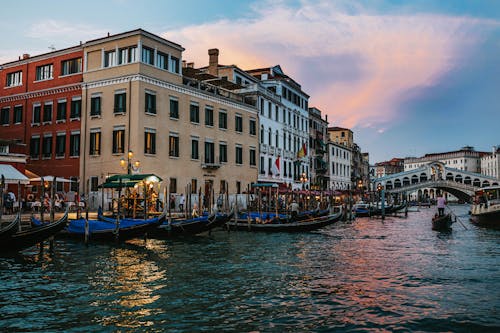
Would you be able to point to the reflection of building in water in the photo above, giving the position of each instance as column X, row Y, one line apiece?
column 131, row 280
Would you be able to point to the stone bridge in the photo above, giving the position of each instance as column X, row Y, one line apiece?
column 436, row 175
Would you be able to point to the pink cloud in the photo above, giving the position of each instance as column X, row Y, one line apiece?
column 392, row 54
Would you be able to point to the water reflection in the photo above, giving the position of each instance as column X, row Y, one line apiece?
column 126, row 282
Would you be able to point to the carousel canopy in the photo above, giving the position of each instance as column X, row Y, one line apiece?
column 117, row 181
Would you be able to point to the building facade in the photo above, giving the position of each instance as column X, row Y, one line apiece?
column 340, row 157
column 343, row 136
column 391, row 167
column 293, row 117
column 40, row 107
column 136, row 99
column 490, row 163
column 318, row 148
column 466, row 159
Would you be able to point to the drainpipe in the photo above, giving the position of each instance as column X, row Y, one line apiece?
column 84, row 142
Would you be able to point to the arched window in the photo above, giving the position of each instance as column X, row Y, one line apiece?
column 414, row 179
column 485, row 183
column 406, row 181
column 277, row 139
column 270, row 136
column 397, row 183
column 449, row 176
column 388, row 185
column 476, row 182
column 458, row 178
column 423, row 177
column 467, row 180
column 261, row 134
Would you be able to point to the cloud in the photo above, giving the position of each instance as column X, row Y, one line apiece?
column 356, row 65
column 63, row 32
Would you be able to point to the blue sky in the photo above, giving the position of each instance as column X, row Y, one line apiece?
column 409, row 77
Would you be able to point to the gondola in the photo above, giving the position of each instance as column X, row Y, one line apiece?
column 305, row 215
column 10, row 228
column 109, row 231
column 399, row 208
column 36, row 234
column 193, row 226
column 441, row 223
column 278, row 225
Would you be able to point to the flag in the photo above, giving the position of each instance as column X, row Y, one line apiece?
column 276, row 167
column 302, row 152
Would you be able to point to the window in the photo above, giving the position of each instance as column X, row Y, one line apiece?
column 47, row 146
column 194, row 185
column 238, row 187
column 174, row 65
column 60, row 145
column 37, row 110
column 74, row 144
column 174, row 108
column 222, row 119
column 118, row 140
column 95, row 106
column 18, row 114
column 127, row 55
column 172, row 187
column 222, row 186
column 14, row 79
column 47, row 112
column 161, row 60
column 120, row 102
column 222, row 152
column 43, row 72
column 209, row 116
column 4, row 116
column 209, row 152
column 35, row 147
column 95, row 142
column 276, row 139
column 150, row 103
column 269, row 166
column 149, row 141
column 76, row 108
column 262, row 166
column 239, row 155
column 252, row 157
column 61, row 110
column 148, row 55
column 238, row 123
column 252, row 125
column 94, row 183
column 261, row 134
column 110, row 58
column 194, row 149
column 194, row 113
column 269, row 110
column 71, row 66
column 173, row 145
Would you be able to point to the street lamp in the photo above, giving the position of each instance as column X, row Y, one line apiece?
column 303, row 179
column 127, row 164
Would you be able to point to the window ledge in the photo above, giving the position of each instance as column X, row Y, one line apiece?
column 118, row 113
column 95, row 116
column 95, row 155
column 176, row 119
column 61, row 121
column 42, row 80
column 46, row 158
column 13, row 86
column 5, row 124
column 150, row 154
column 173, row 157
column 75, row 119
column 150, row 113
column 71, row 74
column 35, row 124
column 60, row 157
column 47, row 123
column 75, row 156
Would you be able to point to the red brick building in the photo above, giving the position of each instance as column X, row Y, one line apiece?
column 40, row 107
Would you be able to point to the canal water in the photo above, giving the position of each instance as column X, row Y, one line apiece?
column 369, row 275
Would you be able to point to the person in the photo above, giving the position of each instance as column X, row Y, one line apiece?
column 181, row 203
column 441, row 204
column 172, row 201
column 194, row 213
column 294, row 208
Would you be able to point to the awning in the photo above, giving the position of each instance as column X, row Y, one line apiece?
column 12, row 175
column 265, row 185
column 50, row 179
column 117, row 181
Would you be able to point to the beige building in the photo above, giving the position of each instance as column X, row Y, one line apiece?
column 135, row 98
column 343, row 136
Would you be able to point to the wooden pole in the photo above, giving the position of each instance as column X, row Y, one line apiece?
column 2, row 189
column 42, row 199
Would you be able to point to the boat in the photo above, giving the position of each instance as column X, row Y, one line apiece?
column 441, row 223
column 361, row 209
column 278, row 225
column 485, row 210
column 191, row 226
column 10, row 228
column 109, row 230
column 24, row 239
column 401, row 208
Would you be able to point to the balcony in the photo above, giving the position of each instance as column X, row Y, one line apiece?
column 272, row 150
column 210, row 166
column 263, row 148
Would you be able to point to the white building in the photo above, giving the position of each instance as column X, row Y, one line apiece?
column 339, row 157
column 466, row 159
column 490, row 163
column 284, row 126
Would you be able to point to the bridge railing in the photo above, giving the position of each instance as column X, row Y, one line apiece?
column 434, row 183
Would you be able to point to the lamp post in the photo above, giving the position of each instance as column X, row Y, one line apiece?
column 303, row 179
column 128, row 165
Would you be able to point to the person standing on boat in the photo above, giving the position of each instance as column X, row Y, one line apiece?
column 181, row 203
column 294, row 208
column 441, row 204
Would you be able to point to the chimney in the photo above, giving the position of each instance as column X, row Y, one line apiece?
column 25, row 56
column 184, row 64
column 213, row 62
column 190, row 65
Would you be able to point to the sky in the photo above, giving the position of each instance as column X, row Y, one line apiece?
column 408, row 77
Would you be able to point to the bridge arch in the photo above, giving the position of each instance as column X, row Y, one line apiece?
column 458, row 178
column 476, row 182
column 449, row 176
column 467, row 180
column 414, row 179
column 397, row 183
column 423, row 177
column 406, row 181
column 485, row 183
